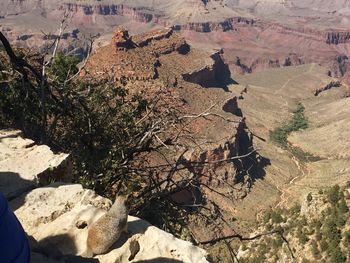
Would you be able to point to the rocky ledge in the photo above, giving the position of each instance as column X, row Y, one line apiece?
column 25, row 165
column 57, row 217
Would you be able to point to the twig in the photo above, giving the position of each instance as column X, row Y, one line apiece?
column 225, row 160
column 204, row 113
column 242, row 238
column 92, row 38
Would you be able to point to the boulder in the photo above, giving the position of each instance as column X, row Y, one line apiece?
column 25, row 165
column 58, row 216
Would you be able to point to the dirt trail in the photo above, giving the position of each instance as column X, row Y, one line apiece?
column 284, row 189
column 302, row 169
column 303, row 172
column 295, row 77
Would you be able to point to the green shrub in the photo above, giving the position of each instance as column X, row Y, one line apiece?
column 342, row 206
column 347, row 238
column 323, row 245
column 277, row 242
column 314, row 249
column 298, row 122
column 303, row 221
column 63, row 67
column 303, row 238
column 274, row 215
column 280, row 135
column 336, row 255
column 309, row 197
column 295, row 210
column 333, row 194
column 318, row 235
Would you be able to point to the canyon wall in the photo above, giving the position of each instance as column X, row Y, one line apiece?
column 137, row 14
column 215, row 74
column 142, row 15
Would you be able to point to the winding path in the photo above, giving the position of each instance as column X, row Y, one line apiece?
column 295, row 77
column 303, row 172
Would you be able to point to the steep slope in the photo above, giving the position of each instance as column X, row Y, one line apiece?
column 279, row 176
column 315, row 231
column 274, row 94
column 197, row 87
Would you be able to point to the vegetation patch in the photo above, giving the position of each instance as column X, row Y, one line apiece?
column 298, row 122
column 318, row 234
column 302, row 155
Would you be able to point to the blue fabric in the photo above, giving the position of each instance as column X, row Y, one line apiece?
column 14, row 247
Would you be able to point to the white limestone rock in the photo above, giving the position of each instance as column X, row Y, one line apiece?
column 57, row 216
column 25, row 165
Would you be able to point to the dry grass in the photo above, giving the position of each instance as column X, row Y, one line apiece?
column 269, row 102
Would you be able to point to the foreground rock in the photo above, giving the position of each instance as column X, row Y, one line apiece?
column 58, row 217
column 24, row 165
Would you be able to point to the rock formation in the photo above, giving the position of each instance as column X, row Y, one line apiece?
column 25, row 165
column 214, row 73
column 332, row 84
column 105, row 9
column 56, row 217
column 142, row 62
column 156, row 38
column 184, row 74
column 121, row 40
column 259, row 42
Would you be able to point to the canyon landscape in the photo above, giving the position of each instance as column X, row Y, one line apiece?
column 226, row 121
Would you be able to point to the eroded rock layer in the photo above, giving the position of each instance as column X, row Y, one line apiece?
column 196, row 83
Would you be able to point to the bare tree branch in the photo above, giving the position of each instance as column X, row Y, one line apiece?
column 238, row 157
column 91, row 40
column 242, row 238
